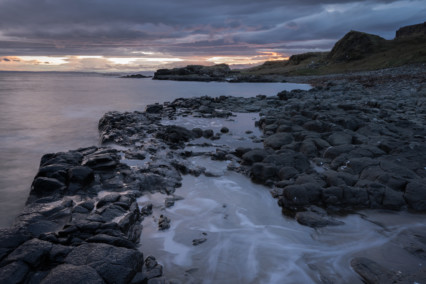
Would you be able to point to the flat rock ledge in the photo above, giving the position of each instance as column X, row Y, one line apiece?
column 340, row 147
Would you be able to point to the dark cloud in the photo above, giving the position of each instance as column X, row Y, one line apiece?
column 192, row 27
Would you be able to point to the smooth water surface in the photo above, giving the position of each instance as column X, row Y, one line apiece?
column 50, row 112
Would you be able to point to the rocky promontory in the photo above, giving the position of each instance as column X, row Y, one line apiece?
column 350, row 143
column 217, row 72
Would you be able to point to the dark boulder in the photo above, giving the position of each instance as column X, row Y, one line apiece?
column 113, row 264
column 163, row 223
column 154, row 108
column 32, row 252
column 80, row 174
column 261, row 172
column 372, row 272
column 415, row 195
column 175, row 134
column 101, row 162
column 43, row 186
column 14, row 273
column 276, row 141
column 298, row 196
column 316, row 217
column 70, row 274
column 254, row 156
column 109, row 198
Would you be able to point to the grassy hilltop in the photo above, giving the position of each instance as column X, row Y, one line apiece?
column 356, row 51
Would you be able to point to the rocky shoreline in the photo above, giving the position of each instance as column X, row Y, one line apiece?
column 352, row 142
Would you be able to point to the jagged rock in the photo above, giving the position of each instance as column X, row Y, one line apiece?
column 163, row 223
column 113, row 264
column 254, row 156
column 316, row 218
column 276, row 141
column 43, row 186
column 14, row 272
column 415, row 195
column 372, row 272
column 68, row 273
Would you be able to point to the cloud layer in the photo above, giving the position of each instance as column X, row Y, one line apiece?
column 191, row 30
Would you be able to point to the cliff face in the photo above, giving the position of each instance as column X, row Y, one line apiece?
column 355, row 45
column 411, row 31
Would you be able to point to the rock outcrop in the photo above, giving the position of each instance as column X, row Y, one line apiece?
column 411, row 31
column 354, row 46
column 217, row 72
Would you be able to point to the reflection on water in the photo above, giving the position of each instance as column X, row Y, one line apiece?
column 51, row 112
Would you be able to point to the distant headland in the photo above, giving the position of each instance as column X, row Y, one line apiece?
column 356, row 51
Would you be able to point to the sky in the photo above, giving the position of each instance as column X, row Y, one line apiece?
column 140, row 35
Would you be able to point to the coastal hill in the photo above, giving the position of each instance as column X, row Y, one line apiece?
column 356, row 51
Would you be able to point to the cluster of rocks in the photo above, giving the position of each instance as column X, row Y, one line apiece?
column 340, row 147
column 81, row 223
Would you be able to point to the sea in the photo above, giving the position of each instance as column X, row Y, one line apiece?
column 46, row 112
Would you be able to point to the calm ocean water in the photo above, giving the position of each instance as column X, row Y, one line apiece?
column 50, row 112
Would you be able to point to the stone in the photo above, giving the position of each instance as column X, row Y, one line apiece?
column 208, row 133
column 152, row 269
column 146, row 210
column 13, row 273
column 197, row 242
column 276, row 141
column 113, row 264
column 254, row 156
column 415, row 195
column 393, row 200
column 261, row 172
column 163, row 223
column 335, row 151
column 101, row 162
column 80, row 174
column 372, row 272
column 109, row 198
column 43, row 186
column 154, row 108
column 198, row 132
column 289, row 158
column 70, row 274
column 340, row 138
column 297, row 196
column 355, row 197
column 32, row 252
column 315, row 219
column 107, row 239
column 175, row 134
column 286, row 173
column 224, row 130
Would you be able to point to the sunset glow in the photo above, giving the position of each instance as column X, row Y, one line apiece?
column 127, row 36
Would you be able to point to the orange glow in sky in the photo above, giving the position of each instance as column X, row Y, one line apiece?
column 147, row 61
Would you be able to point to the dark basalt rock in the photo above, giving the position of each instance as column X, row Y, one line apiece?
column 163, row 223
column 69, row 274
column 117, row 265
column 175, row 134
column 43, row 186
column 373, row 273
column 155, row 108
